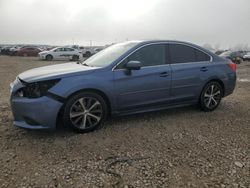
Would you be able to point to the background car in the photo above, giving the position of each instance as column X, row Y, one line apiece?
column 28, row 51
column 5, row 50
column 246, row 57
column 14, row 50
column 88, row 51
column 96, row 50
column 235, row 56
column 61, row 53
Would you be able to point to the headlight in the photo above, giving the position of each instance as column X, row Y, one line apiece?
column 36, row 89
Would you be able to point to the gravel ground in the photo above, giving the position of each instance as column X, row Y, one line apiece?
column 173, row 148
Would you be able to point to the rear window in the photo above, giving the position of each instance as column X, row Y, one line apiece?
column 69, row 49
column 181, row 53
column 185, row 54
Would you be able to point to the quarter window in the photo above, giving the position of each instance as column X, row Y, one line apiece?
column 201, row 56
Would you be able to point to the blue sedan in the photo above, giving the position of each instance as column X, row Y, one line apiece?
column 126, row 78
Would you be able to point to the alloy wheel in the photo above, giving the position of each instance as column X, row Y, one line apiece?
column 212, row 96
column 86, row 113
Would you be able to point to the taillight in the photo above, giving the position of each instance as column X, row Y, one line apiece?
column 232, row 66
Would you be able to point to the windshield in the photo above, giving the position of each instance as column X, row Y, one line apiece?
column 54, row 49
column 109, row 55
column 225, row 53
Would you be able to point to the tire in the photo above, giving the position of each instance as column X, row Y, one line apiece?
column 85, row 112
column 75, row 58
column 49, row 57
column 87, row 54
column 240, row 60
column 25, row 55
column 211, row 96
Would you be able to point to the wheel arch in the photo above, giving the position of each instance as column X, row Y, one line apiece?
column 216, row 80
column 49, row 55
column 97, row 91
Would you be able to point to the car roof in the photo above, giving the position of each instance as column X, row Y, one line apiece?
column 62, row 47
column 167, row 41
column 145, row 42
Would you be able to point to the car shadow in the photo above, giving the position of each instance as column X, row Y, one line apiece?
column 128, row 120
column 155, row 115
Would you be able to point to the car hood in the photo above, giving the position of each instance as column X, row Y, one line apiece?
column 44, row 52
column 55, row 71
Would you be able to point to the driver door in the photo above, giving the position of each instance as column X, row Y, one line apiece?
column 146, row 87
column 58, row 53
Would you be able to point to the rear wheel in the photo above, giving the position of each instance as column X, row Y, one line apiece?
column 211, row 96
column 49, row 57
column 87, row 54
column 75, row 58
column 240, row 60
column 85, row 111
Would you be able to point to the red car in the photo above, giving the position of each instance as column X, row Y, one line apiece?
column 28, row 51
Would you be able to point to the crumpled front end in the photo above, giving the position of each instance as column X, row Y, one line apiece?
column 33, row 113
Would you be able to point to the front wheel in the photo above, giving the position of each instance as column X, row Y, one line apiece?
column 85, row 111
column 87, row 54
column 75, row 58
column 49, row 57
column 211, row 96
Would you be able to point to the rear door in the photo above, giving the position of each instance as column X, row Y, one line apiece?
column 190, row 68
column 146, row 87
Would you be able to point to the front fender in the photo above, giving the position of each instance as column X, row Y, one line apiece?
column 69, row 85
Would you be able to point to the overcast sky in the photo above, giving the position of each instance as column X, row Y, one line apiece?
column 57, row 22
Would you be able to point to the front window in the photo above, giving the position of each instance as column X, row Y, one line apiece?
column 110, row 54
column 151, row 55
column 57, row 49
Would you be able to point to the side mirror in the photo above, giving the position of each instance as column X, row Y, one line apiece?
column 133, row 65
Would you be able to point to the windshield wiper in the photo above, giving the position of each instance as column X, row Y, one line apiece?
column 82, row 63
column 85, row 64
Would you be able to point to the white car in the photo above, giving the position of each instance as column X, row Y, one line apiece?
column 247, row 56
column 87, row 51
column 61, row 53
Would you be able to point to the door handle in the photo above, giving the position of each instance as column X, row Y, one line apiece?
column 204, row 69
column 164, row 74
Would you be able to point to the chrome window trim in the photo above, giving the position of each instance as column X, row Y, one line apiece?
column 151, row 66
column 211, row 58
